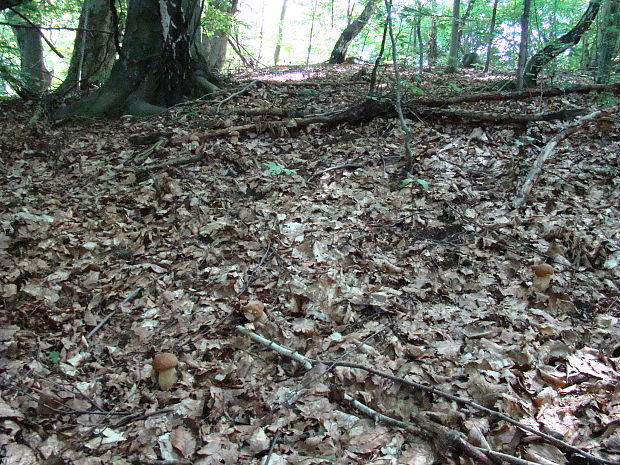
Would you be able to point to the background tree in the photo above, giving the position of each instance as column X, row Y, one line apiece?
column 352, row 30
column 219, row 18
column 276, row 53
column 487, row 61
column 35, row 77
column 454, row 37
column 607, row 49
column 555, row 47
column 524, row 42
column 94, row 50
column 162, row 62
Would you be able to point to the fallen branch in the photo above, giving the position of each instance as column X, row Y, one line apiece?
column 308, row 363
column 549, row 149
column 143, row 172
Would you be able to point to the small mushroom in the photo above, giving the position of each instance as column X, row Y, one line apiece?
column 164, row 370
column 254, row 311
column 542, row 277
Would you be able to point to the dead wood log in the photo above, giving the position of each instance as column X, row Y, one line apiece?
column 517, row 95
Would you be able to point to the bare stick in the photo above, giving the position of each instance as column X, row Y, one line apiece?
column 275, row 440
column 398, row 105
column 106, row 318
column 549, row 149
column 103, row 321
column 306, row 362
column 231, row 96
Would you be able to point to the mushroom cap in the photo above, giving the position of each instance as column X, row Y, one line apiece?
column 544, row 270
column 165, row 361
column 254, row 311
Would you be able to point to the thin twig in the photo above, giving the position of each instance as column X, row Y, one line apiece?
column 275, row 440
column 306, row 362
column 51, row 46
column 549, row 149
column 130, row 296
column 233, row 95
column 138, row 417
column 398, row 103
column 103, row 321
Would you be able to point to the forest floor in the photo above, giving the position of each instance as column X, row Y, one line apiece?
column 310, row 238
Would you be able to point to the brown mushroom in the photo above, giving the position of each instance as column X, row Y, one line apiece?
column 164, row 369
column 254, row 311
column 542, row 277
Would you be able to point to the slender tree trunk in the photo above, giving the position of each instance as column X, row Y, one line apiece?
column 432, row 43
column 491, row 35
column 557, row 46
column 351, row 32
column 276, row 54
column 311, row 36
column 464, row 18
column 93, row 51
column 454, row 37
column 418, row 33
column 607, row 47
column 162, row 63
column 215, row 43
column 523, row 45
column 34, row 74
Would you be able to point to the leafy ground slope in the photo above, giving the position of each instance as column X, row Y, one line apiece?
column 431, row 285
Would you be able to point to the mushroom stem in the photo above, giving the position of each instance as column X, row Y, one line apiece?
column 167, row 378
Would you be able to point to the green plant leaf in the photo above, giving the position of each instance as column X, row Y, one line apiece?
column 423, row 184
column 54, row 357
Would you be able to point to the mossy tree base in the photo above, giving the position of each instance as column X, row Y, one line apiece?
column 162, row 63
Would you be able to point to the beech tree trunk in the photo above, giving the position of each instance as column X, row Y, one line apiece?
column 161, row 64
column 535, row 64
column 351, row 32
column 93, row 50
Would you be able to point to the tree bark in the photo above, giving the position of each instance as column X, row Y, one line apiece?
column 93, row 52
column 535, row 64
column 607, row 46
column 161, row 64
column 351, row 32
column 523, row 44
column 454, row 37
